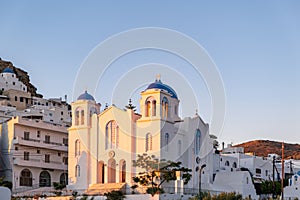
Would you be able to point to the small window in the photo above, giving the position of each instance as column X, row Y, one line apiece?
column 26, row 135
column 38, row 134
column 62, row 113
column 47, row 104
column 65, row 141
column 16, row 98
column 14, row 83
column 47, row 139
column 47, row 158
column 21, row 99
column 258, row 171
column 16, row 148
column 26, row 155
column 59, row 154
column 267, row 173
column 65, row 160
column 227, row 163
column 234, row 165
column 38, row 151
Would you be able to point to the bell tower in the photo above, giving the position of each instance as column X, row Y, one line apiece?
column 159, row 101
column 80, row 140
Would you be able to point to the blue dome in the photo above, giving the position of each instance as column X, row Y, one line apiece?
column 86, row 96
column 8, row 70
column 159, row 85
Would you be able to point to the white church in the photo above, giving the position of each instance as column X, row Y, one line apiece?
column 103, row 144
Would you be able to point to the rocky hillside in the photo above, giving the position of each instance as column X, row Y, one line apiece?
column 265, row 147
column 22, row 75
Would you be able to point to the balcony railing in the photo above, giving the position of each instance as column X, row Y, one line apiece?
column 40, row 144
column 39, row 163
column 30, row 139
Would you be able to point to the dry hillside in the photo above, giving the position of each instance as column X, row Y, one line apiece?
column 265, row 147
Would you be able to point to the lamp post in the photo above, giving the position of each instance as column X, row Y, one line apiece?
column 200, row 172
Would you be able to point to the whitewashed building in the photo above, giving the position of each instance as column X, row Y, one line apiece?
column 9, row 80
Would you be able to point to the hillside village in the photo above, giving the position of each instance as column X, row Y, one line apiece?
column 90, row 149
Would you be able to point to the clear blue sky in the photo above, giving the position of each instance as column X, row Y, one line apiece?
column 255, row 45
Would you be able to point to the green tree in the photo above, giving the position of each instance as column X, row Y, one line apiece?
column 156, row 172
column 267, row 187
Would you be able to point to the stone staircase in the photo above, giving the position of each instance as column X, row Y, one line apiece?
column 100, row 188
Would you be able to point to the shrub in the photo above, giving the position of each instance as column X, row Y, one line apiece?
column 115, row 195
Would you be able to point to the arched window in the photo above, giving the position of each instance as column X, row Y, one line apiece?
column 77, row 147
column 111, row 135
column 122, row 170
column 77, row 171
column 234, row 165
column 148, row 142
column 197, row 141
column 165, row 107
column 26, row 178
column 167, row 137
column 179, row 148
column 153, row 108
column 77, row 117
column 82, row 117
column 227, row 163
column 45, row 179
column 148, row 105
column 63, row 179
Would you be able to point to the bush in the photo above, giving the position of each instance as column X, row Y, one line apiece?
column 58, row 186
column 222, row 196
column 115, row 195
column 155, row 190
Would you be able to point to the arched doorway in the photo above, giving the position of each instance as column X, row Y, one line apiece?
column 122, row 178
column 100, row 169
column 45, row 179
column 63, row 179
column 111, row 171
column 26, row 178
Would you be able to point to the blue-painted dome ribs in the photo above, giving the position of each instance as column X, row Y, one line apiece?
column 86, row 96
column 8, row 70
column 159, row 85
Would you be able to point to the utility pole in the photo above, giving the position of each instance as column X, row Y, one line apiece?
column 282, row 171
column 274, row 177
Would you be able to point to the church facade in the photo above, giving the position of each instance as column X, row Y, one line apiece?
column 103, row 143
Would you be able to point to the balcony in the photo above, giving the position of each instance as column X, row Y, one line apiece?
column 40, row 144
column 35, row 162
